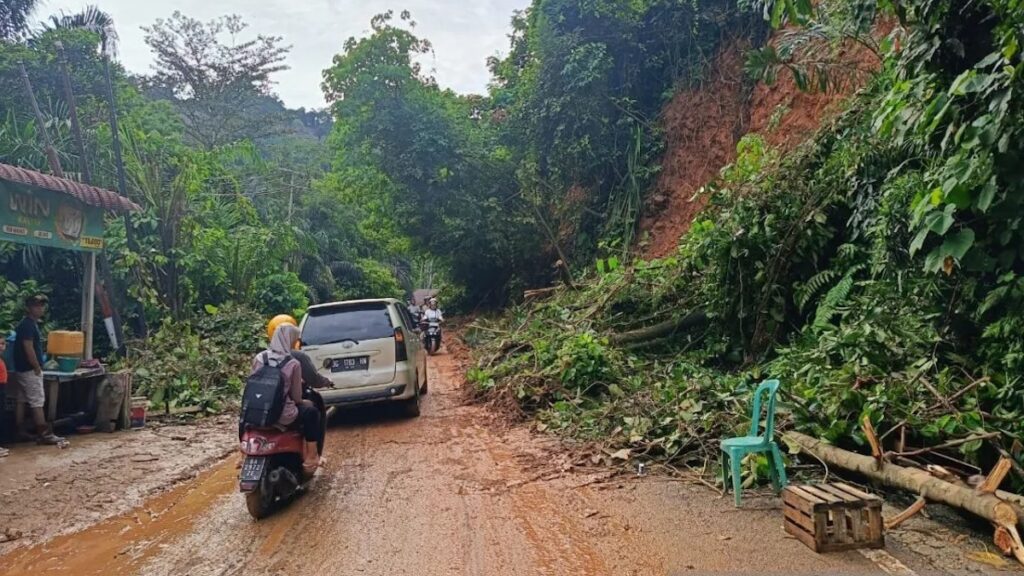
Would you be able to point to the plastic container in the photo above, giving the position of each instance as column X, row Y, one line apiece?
column 66, row 344
column 66, row 364
column 138, row 415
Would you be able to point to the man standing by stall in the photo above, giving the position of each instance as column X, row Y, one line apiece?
column 28, row 368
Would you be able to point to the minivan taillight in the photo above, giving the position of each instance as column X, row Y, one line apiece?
column 400, row 354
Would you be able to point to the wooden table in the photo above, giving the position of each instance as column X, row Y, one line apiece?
column 53, row 379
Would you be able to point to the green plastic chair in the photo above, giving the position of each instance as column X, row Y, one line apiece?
column 734, row 449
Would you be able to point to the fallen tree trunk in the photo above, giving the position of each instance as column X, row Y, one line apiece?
column 987, row 506
column 666, row 328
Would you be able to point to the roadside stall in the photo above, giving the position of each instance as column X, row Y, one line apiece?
column 51, row 212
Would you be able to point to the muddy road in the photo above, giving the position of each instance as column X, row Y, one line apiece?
column 450, row 493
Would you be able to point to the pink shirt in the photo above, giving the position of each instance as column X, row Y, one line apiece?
column 293, row 391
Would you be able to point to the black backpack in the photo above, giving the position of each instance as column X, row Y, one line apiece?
column 263, row 396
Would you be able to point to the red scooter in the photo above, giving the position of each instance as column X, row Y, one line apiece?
column 272, row 473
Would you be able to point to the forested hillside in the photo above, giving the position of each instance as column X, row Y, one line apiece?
column 874, row 269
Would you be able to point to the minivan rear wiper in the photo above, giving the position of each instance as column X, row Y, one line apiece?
column 352, row 340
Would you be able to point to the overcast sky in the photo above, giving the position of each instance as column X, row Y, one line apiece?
column 464, row 33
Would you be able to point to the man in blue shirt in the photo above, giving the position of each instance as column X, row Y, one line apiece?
column 28, row 367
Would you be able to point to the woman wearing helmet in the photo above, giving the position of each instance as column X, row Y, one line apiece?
column 310, row 375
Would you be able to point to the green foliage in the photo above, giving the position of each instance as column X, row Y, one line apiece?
column 578, row 94
column 819, row 267
column 198, row 364
column 13, row 295
column 420, row 166
column 281, row 293
column 14, row 18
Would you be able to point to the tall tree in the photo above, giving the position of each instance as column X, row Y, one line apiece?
column 14, row 15
column 92, row 19
column 429, row 157
column 222, row 89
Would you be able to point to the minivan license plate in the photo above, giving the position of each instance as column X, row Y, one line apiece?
column 350, row 364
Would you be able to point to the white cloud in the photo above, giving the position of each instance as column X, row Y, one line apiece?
column 464, row 33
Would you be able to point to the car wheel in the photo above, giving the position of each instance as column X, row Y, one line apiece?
column 411, row 407
column 426, row 380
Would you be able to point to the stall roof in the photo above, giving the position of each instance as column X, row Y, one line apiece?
column 89, row 195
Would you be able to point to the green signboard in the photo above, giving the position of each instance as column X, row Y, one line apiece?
column 30, row 215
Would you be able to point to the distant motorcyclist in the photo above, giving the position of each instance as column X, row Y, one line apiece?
column 432, row 314
column 414, row 309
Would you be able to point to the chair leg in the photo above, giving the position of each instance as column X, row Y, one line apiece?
column 725, row 472
column 780, row 467
column 737, row 478
column 773, row 472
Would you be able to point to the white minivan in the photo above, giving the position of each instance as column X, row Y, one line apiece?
column 369, row 349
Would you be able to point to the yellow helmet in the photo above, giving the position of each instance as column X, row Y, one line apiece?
column 277, row 321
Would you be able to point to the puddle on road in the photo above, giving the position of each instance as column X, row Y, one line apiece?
column 121, row 544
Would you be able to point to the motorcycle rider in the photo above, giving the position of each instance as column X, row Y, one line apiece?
column 433, row 314
column 414, row 309
column 310, row 375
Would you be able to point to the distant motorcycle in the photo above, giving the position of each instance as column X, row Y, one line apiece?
column 431, row 335
column 272, row 473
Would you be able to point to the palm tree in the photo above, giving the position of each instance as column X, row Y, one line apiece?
column 92, row 19
column 14, row 15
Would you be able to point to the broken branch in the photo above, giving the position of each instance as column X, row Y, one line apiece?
column 902, row 517
column 950, row 444
column 995, row 477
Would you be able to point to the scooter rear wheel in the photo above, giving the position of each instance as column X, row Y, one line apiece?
column 258, row 503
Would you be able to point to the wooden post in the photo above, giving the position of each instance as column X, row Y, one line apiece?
column 89, row 303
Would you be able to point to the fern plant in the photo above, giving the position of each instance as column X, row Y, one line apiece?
column 833, row 299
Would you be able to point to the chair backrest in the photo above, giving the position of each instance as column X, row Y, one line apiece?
column 767, row 388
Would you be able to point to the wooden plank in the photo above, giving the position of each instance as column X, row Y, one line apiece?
column 846, row 497
column 821, row 535
column 843, row 546
column 839, row 532
column 876, row 531
column 805, row 494
column 799, row 518
column 856, row 492
column 822, row 494
column 794, row 499
column 801, row 535
column 858, row 524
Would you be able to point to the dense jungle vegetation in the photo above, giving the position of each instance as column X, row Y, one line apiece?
column 876, row 270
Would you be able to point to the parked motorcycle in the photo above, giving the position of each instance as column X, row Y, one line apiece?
column 272, row 473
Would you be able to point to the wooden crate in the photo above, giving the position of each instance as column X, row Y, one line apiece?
column 832, row 517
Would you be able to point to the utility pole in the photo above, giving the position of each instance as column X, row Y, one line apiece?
column 291, row 196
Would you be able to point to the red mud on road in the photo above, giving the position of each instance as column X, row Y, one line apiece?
column 452, row 492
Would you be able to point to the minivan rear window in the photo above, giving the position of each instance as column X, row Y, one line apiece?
column 357, row 322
